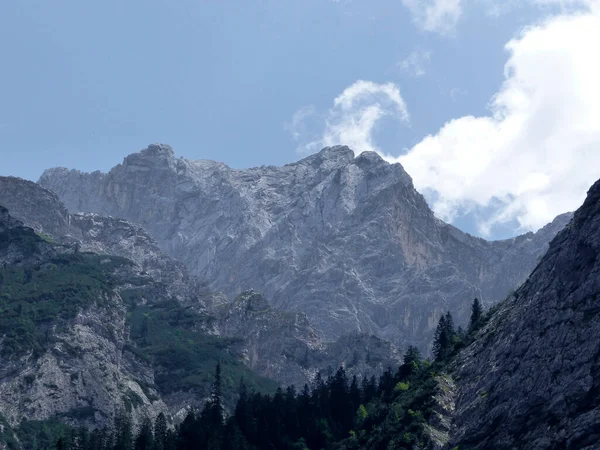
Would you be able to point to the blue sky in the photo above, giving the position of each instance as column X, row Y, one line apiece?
column 249, row 83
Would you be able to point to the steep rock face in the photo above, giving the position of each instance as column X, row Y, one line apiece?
column 346, row 240
column 532, row 379
column 79, row 368
column 286, row 347
column 277, row 344
column 85, row 336
column 43, row 211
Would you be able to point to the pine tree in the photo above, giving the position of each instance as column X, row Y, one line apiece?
column 123, row 434
column 234, row 439
column 445, row 338
column 476, row 314
column 145, row 438
column 212, row 415
column 411, row 355
column 354, row 393
column 242, row 414
column 217, row 398
column 410, row 364
column 340, row 407
column 450, row 325
column 190, row 433
column 441, row 341
column 160, row 432
column 171, row 440
column 386, row 383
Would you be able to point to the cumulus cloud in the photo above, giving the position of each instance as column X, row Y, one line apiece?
column 414, row 64
column 440, row 16
column 297, row 126
column 353, row 117
column 538, row 151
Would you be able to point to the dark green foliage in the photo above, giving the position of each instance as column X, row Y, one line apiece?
column 22, row 238
column 441, row 340
column 33, row 299
column 38, row 300
column 145, row 438
column 123, row 433
column 44, row 434
column 476, row 316
column 446, row 340
column 164, row 334
column 160, row 432
column 336, row 414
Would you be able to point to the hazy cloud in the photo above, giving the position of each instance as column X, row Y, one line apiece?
column 440, row 16
column 538, row 150
column 414, row 64
column 352, row 118
column 297, row 126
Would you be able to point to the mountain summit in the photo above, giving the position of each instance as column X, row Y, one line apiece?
column 346, row 239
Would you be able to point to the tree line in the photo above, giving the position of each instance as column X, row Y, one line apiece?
column 338, row 412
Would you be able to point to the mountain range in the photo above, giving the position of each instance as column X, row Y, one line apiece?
column 345, row 239
column 120, row 291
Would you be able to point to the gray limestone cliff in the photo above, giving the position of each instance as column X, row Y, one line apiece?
column 62, row 360
column 286, row 347
column 277, row 344
column 42, row 210
column 531, row 380
column 345, row 239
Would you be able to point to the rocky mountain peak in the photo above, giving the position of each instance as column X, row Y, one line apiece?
column 335, row 154
column 370, row 158
column 155, row 156
column 159, row 151
column 44, row 211
column 345, row 239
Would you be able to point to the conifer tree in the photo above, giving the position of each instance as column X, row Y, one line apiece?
column 411, row 355
column 123, row 433
column 145, row 438
column 160, row 432
column 476, row 315
column 369, row 389
column 441, row 341
column 242, row 413
column 354, row 393
column 450, row 325
column 216, row 399
column 410, row 363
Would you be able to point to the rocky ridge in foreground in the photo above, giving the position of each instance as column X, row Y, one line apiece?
column 531, row 380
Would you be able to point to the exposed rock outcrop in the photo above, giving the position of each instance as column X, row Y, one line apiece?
column 532, row 378
column 277, row 344
column 80, row 369
column 345, row 239
column 286, row 347
column 42, row 210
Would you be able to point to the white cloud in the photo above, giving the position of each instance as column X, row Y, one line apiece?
column 353, row 117
column 414, row 64
column 496, row 8
column 439, row 16
column 538, row 151
column 297, row 126
column 442, row 16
